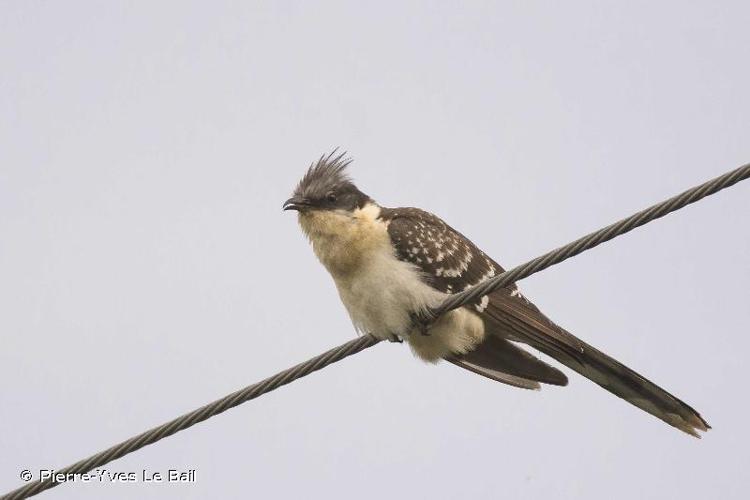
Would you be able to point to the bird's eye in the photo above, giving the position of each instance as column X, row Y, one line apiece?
column 331, row 197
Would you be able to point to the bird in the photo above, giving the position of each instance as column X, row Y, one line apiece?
column 391, row 266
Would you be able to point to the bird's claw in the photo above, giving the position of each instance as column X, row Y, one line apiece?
column 395, row 339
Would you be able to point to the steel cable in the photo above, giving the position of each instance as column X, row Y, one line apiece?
column 199, row 415
column 354, row 346
column 591, row 240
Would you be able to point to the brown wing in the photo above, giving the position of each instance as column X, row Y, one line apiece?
column 451, row 263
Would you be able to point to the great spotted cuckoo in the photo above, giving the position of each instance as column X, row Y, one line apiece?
column 390, row 265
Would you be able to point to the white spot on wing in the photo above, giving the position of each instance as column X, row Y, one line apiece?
column 462, row 266
column 489, row 274
column 483, row 304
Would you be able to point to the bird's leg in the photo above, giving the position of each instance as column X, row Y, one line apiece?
column 420, row 322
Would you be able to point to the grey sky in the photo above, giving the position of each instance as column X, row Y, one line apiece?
column 146, row 267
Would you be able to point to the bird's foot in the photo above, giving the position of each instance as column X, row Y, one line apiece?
column 395, row 338
column 420, row 322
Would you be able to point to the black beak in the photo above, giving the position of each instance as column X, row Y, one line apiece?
column 296, row 203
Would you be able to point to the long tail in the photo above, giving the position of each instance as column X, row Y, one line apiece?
column 520, row 320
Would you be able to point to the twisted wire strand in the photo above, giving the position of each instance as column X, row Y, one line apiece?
column 591, row 240
column 200, row 414
column 354, row 346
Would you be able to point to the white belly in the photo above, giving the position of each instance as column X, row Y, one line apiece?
column 382, row 296
column 383, row 293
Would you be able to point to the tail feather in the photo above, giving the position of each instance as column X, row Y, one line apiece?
column 496, row 354
column 522, row 321
column 496, row 375
column 639, row 391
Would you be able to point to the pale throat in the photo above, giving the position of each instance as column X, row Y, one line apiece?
column 342, row 240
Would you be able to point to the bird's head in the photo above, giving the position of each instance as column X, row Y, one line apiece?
column 337, row 218
column 327, row 187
